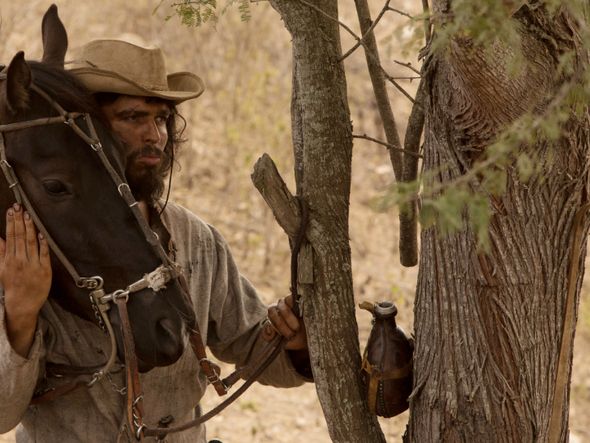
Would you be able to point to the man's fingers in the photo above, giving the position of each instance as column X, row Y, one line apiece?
column 31, row 238
column 10, row 231
column 287, row 313
column 2, row 249
column 288, row 300
column 279, row 323
column 285, row 322
column 20, row 247
column 44, row 257
column 43, row 251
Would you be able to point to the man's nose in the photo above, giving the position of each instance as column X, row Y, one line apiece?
column 152, row 134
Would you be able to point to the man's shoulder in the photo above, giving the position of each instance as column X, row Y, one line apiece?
column 175, row 211
column 180, row 219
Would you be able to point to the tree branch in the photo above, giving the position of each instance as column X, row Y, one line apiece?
column 401, row 12
column 370, row 30
column 408, row 244
column 368, row 51
column 377, row 74
column 408, row 65
column 328, row 16
column 426, row 9
column 408, row 237
column 387, row 145
column 396, row 84
column 284, row 206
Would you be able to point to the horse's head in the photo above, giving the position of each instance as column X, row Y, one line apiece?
column 79, row 203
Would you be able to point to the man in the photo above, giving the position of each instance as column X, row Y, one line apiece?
column 138, row 99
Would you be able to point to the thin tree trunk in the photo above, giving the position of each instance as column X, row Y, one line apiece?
column 323, row 144
column 489, row 326
column 408, row 222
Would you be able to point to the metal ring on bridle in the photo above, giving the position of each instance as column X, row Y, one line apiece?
column 118, row 294
column 95, row 282
column 95, row 377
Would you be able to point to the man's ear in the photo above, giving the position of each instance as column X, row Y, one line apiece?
column 55, row 38
column 16, row 87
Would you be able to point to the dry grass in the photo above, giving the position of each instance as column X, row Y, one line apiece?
column 245, row 112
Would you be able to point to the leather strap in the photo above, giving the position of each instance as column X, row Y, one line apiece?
column 58, row 391
column 270, row 353
column 393, row 374
column 210, row 369
column 134, row 394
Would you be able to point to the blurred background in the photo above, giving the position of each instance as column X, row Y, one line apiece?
column 244, row 113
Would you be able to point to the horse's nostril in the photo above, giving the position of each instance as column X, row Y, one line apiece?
column 166, row 327
column 169, row 337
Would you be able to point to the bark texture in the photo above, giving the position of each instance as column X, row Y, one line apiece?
column 322, row 137
column 489, row 326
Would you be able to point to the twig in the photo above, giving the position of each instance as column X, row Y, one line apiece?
column 359, row 40
column 387, row 145
column 362, row 40
column 407, row 78
column 328, row 16
column 400, row 12
column 426, row 9
column 396, row 84
column 408, row 65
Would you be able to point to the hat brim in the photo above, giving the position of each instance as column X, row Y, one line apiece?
column 182, row 85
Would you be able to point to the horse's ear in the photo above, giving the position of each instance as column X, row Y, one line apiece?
column 55, row 38
column 17, row 84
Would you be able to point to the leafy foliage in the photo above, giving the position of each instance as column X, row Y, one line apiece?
column 195, row 13
column 451, row 205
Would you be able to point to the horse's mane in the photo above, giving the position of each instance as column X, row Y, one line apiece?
column 64, row 88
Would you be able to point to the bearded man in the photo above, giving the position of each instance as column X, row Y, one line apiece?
column 138, row 99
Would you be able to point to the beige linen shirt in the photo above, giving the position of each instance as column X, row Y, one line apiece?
column 229, row 314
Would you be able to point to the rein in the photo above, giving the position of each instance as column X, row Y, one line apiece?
column 155, row 280
column 266, row 357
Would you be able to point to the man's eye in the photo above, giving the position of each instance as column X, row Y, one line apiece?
column 55, row 187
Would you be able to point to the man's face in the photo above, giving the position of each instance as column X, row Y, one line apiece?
column 141, row 126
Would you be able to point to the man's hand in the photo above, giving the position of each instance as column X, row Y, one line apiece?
column 25, row 275
column 284, row 322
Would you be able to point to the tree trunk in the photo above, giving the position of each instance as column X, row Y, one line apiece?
column 322, row 137
column 490, row 326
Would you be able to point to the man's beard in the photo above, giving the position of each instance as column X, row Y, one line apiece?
column 147, row 182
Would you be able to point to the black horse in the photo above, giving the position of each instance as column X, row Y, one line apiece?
column 80, row 205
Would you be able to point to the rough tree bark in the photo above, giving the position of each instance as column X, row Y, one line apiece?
column 322, row 137
column 490, row 326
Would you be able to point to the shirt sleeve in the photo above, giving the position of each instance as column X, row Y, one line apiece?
column 236, row 320
column 18, row 375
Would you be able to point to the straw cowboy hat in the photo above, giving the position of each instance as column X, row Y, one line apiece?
column 124, row 68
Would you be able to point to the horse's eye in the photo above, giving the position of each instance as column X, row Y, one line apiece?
column 55, row 187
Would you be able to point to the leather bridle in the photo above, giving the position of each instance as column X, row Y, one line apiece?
column 155, row 279
column 101, row 301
